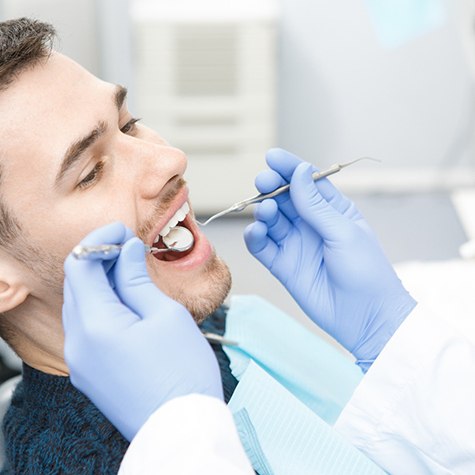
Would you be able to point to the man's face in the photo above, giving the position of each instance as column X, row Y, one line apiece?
column 73, row 159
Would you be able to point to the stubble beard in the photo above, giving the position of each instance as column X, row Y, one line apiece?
column 218, row 281
column 215, row 280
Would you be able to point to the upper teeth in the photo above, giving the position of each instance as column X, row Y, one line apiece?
column 179, row 215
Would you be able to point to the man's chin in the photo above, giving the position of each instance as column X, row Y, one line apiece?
column 203, row 299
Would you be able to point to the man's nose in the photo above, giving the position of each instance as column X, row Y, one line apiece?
column 157, row 164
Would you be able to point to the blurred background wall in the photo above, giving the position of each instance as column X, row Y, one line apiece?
column 385, row 79
column 77, row 24
column 331, row 81
column 349, row 78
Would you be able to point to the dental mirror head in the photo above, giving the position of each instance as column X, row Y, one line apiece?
column 179, row 239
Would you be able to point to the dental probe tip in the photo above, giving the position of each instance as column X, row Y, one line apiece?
column 371, row 158
column 232, row 208
column 359, row 159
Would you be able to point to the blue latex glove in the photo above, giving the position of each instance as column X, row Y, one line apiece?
column 131, row 349
column 315, row 241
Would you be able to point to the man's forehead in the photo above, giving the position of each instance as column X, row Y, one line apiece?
column 49, row 85
column 49, row 104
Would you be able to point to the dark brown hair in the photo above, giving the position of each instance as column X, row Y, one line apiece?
column 23, row 43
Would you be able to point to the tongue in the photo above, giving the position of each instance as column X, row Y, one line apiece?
column 170, row 255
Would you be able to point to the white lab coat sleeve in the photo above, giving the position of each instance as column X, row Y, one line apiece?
column 193, row 434
column 414, row 411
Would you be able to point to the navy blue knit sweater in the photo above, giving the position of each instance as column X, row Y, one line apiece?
column 52, row 428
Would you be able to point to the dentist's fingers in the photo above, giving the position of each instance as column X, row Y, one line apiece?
column 91, row 324
column 134, row 285
column 313, row 208
column 94, row 319
column 87, row 287
column 113, row 233
column 278, row 226
column 268, row 181
column 284, row 164
column 86, row 275
column 259, row 244
column 338, row 200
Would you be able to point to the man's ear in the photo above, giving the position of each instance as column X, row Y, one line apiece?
column 13, row 290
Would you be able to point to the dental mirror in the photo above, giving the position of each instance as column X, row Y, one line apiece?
column 179, row 239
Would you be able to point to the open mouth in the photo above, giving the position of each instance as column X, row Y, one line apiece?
column 182, row 218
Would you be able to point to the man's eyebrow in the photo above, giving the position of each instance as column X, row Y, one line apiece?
column 120, row 96
column 77, row 148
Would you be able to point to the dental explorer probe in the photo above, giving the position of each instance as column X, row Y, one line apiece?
column 241, row 205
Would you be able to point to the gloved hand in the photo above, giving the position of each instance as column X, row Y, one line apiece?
column 315, row 241
column 132, row 349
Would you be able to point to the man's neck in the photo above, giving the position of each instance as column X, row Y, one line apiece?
column 39, row 339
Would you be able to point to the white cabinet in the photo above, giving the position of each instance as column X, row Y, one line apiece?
column 205, row 80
